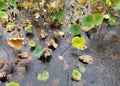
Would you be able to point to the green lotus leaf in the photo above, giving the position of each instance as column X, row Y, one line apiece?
column 12, row 84
column 76, row 75
column 37, row 52
column 78, row 42
column 3, row 5
column 88, row 20
column 75, row 29
column 3, row 14
column 43, row 76
column 98, row 19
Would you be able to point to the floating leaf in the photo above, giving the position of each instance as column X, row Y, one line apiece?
column 29, row 27
column 43, row 76
column 98, row 19
column 3, row 14
column 76, row 75
column 81, row 1
column 32, row 43
column 12, row 3
column 75, row 29
column 78, row 42
column 3, row 5
column 16, row 43
column 12, row 84
column 88, row 20
column 37, row 52
column 111, row 21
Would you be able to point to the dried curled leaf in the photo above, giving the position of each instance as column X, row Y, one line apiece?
column 43, row 34
column 56, row 5
column 86, row 59
column 16, row 43
column 46, row 52
column 24, row 55
column 51, row 42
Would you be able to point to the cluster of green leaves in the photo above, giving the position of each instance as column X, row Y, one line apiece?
column 12, row 84
column 43, row 76
column 92, row 19
column 58, row 16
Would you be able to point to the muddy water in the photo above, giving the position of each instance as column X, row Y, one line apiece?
column 105, row 70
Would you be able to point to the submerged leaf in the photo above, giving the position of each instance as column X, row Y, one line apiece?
column 81, row 67
column 43, row 76
column 76, row 75
column 12, row 84
column 37, row 52
column 75, row 29
column 78, row 42
column 3, row 14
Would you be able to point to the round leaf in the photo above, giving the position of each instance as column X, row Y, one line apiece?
column 3, row 14
column 88, row 20
column 76, row 75
column 75, row 29
column 98, row 19
column 78, row 42
column 43, row 76
column 3, row 5
column 12, row 84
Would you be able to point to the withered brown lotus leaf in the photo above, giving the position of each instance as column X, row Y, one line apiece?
column 16, row 43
